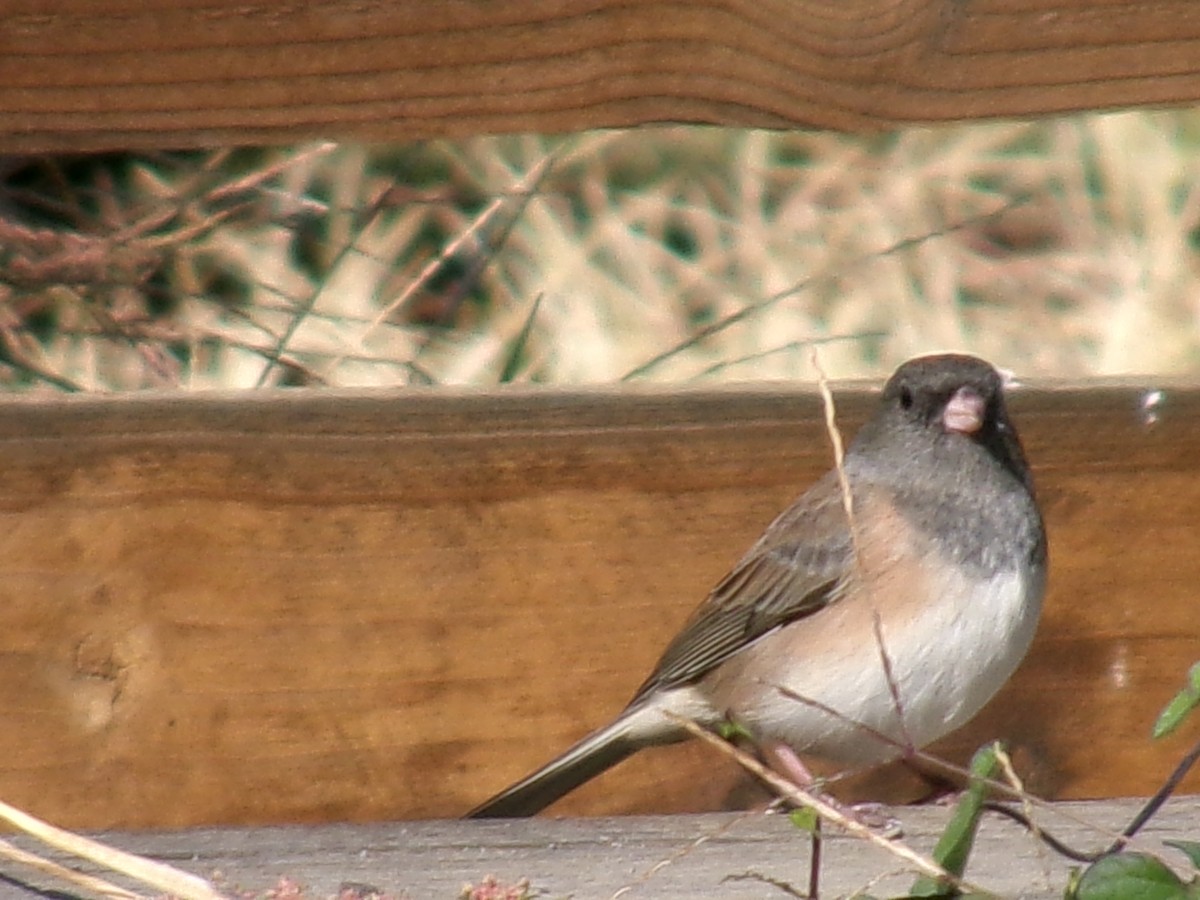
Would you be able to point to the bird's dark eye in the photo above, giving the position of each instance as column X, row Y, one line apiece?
column 906, row 398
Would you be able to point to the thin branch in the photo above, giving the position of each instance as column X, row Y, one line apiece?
column 823, row 808
column 155, row 874
column 806, row 283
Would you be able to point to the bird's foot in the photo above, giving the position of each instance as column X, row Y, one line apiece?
column 873, row 816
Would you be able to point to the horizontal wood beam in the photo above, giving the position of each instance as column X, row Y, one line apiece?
column 293, row 606
column 710, row 856
column 94, row 74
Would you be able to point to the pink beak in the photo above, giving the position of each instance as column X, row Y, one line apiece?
column 964, row 412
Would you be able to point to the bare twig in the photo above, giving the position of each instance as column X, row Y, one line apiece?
column 157, row 875
column 1160, row 797
column 839, row 461
column 70, row 876
column 525, row 189
column 682, row 853
column 752, row 309
column 822, row 807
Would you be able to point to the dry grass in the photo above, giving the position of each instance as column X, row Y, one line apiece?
column 1061, row 247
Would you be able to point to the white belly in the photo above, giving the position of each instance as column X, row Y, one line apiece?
column 948, row 658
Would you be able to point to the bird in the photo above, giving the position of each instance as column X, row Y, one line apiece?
column 877, row 613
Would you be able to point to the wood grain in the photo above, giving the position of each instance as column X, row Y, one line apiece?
column 98, row 74
column 294, row 607
column 713, row 855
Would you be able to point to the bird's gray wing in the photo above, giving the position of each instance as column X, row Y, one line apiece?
column 795, row 569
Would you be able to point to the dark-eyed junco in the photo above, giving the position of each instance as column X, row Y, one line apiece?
column 941, row 563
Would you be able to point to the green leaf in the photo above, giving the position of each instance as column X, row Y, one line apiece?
column 1190, row 849
column 732, row 731
column 804, row 819
column 954, row 846
column 1125, row 876
column 516, row 352
column 1180, row 706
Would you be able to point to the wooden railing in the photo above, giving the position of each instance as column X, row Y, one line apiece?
column 296, row 607
column 301, row 607
column 95, row 75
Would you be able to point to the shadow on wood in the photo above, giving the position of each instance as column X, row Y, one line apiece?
column 292, row 607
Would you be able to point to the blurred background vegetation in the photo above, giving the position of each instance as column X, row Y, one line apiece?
column 1064, row 247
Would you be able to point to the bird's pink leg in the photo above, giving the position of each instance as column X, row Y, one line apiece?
column 784, row 760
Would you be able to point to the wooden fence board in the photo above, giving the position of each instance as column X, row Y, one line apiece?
column 94, row 74
column 654, row 857
column 298, row 607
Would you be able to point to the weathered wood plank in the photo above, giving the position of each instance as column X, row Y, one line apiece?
column 705, row 856
column 93, row 74
column 295, row 607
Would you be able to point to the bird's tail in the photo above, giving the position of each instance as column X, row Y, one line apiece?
column 599, row 751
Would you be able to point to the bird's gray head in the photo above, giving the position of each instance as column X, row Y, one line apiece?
column 944, row 404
